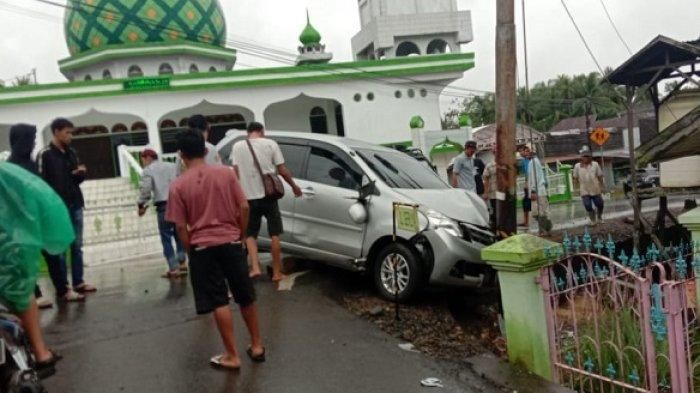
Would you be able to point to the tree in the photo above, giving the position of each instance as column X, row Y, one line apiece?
column 549, row 102
column 481, row 109
column 22, row 81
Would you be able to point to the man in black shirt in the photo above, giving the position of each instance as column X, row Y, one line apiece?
column 61, row 169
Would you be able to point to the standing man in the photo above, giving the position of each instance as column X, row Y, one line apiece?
column 490, row 188
column 524, row 165
column 210, row 212
column 537, row 184
column 61, row 169
column 199, row 122
column 155, row 180
column 22, row 143
column 591, row 185
column 464, row 171
column 271, row 161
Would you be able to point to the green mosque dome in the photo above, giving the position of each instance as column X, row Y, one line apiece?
column 96, row 24
column 310, row 35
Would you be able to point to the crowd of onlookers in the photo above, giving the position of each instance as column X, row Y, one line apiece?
column 469, row 172
column 209, row 217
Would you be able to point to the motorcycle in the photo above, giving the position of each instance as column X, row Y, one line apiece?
column 17, row 374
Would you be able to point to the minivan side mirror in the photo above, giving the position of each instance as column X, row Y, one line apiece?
column 367, row 188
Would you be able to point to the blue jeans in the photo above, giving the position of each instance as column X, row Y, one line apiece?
column 57, row 263
column 590, row 200
column 167, row 235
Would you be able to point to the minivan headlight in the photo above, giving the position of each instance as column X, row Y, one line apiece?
column 438, row 220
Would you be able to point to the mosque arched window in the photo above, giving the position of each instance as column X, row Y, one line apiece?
column 119, row 127
column 165, row 69
column 135, row 71
column 212, row 69
column 106, row 75
column 319, row 121
column 438, row 46
column 88, row 77
column 167, row 123
column 139, row 126
column 194, row 69
column 407, row 48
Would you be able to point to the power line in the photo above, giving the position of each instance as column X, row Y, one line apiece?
column 288, row 58
column 615, row 27
column 283, row 57
column 583, row 39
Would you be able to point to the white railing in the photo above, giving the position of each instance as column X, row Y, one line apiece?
column 556, row 184
column 128, row 165
column 4, row 155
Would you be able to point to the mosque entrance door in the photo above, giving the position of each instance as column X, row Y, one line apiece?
column 96, row 154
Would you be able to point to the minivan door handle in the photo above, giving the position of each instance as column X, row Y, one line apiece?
column 308, row 191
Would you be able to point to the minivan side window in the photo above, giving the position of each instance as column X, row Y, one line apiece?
column 328, row 168
column 294, row 158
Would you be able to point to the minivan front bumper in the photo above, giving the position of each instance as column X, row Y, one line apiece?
column 457, row 262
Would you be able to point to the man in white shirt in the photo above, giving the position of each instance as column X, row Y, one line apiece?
column 271, row 161
column 537, row 186
column 589, row 176
column 199, row 122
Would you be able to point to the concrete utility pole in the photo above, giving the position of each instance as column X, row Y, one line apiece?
column 505, row 118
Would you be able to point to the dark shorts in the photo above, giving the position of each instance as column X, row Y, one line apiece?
column 268, row 208
column 211, row 269
column 527, row 202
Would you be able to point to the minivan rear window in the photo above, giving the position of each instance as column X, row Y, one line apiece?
column 399, row 170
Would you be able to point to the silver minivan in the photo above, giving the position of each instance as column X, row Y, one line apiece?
column 345, row 216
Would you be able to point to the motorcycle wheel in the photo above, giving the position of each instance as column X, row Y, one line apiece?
column 25, row 382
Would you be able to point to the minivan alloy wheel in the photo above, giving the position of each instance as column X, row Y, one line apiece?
column 397, row 267
column 395, row 273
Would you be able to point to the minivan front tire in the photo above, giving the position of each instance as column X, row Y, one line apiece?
column 408, row 274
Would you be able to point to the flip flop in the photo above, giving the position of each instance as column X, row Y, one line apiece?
column 256, row 358
column 217, row 362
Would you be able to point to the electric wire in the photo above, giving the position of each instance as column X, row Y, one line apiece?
column 583, row 39
column 287, row 58
column 614, row 26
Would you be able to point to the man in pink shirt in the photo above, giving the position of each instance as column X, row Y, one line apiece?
column 210, row 212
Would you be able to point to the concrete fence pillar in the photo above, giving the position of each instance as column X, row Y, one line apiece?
column 518, row 260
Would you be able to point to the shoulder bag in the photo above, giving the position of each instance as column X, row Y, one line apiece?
column 271, row 182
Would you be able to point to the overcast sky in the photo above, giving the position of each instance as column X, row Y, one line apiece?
column 31, row 33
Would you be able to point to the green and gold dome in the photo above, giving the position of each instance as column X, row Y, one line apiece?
column 97, row 24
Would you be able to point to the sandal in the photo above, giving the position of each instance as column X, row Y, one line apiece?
column 173, row 274
column 72, row 296
column 47, row 368
column 217, row 362
column 260, row 358
column 85, row 288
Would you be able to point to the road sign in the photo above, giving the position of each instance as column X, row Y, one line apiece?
column 600, row 136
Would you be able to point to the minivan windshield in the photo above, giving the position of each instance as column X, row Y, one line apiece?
column 399, row 170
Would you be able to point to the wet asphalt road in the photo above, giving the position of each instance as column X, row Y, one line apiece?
column 139, row 333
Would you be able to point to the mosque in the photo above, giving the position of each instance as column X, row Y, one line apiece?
column 138, row 69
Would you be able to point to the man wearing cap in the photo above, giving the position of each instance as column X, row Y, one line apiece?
column 589, row 176
column 465, row 169
column 155, row 183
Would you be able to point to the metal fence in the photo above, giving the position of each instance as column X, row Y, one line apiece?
column 623, row 323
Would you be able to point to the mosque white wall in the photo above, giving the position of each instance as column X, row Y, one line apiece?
column 149, row 66
column 371, row 110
